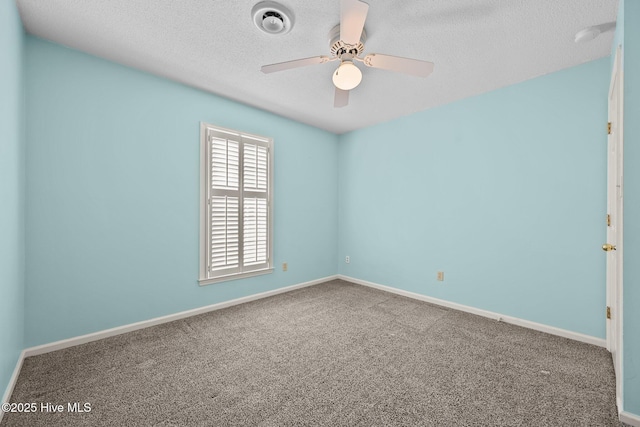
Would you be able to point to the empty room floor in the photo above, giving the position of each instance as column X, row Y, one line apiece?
column 336, row 353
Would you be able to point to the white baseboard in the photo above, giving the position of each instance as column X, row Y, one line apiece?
column 618, row 399
column 491, row 315
column 70, row 342
column 12, row 382
column 629, row 418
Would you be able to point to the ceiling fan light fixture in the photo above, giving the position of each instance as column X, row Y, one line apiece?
column 347, row 76
column 346, row 41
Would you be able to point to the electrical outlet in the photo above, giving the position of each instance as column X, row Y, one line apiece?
column 441, row 276
column 347, row 259
column 284, row 266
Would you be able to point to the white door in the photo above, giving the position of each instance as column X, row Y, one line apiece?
column 613, row 246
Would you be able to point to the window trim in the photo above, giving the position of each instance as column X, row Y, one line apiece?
column 204, row 208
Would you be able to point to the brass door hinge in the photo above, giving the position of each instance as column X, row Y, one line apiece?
column 608, row 220
column 609, row 128
column 608, row 312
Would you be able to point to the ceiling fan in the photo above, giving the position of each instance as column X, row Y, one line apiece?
column 346, row 42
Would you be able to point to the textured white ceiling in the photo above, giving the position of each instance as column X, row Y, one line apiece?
column 477, row 46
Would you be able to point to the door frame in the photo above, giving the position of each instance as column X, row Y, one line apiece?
column 614, row 290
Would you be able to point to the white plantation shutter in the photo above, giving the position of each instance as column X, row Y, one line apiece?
column 255, row 168
column 225, row 164
column 225, row 228
column 255, row 231
column 237, row 205
column 224, row 204
column 255, row 213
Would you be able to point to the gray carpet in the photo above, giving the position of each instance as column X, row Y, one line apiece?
column 331, row 354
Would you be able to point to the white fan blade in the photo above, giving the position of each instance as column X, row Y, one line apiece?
column 281, row 66
column 341, row 98
column 353, row 13
column 415, row 67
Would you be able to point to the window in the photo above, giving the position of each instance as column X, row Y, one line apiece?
column 236, row 204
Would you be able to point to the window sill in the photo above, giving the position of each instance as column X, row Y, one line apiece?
column 212, row 280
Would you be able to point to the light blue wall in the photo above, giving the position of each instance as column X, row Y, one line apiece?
column 628, row 34
column 113, row 187
column 12, row 171
column 505, row 192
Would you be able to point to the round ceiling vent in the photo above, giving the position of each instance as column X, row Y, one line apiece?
column 272, row 18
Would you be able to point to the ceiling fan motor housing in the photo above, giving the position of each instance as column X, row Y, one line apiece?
column 272, row 18
column 338, row 47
